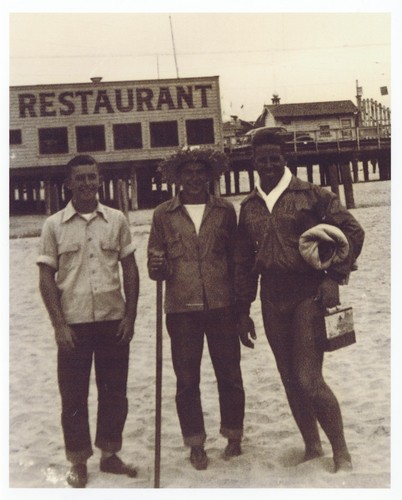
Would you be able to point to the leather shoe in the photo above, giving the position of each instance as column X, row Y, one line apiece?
column 77, row 476
column 233, row 448
column 115, row 465
column 198, row 458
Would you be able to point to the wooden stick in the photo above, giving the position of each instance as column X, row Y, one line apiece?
column 158, row 396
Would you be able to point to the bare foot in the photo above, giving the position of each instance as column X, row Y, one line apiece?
column 313, row 452
column 343, row 463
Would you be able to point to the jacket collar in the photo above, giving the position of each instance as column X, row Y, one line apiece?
column 295, row 184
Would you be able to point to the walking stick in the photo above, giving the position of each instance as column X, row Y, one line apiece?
column 158, row 402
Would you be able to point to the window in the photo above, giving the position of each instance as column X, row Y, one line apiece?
column 346, row 124
column 53, row 140
column 286, row 121
column 324, row 131
column 90, row 138
column 127, row 136
column 15, row 137
column 164, row 134
column 200, row 131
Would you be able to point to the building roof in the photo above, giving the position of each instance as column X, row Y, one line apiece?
column 311, row 109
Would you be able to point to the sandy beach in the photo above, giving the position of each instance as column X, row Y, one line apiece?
column 359, row 375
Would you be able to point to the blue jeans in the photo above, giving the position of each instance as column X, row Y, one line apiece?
column 187, row 332
column 98, row 341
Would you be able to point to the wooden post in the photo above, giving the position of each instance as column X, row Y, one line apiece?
column 355, row 167
column 107, row 190
column 365, row 170
column 236, row 174
column 115, row 187
column 37, row 195
column 122, row 198
column 30, row 192
column 347, row 185
column 47, row 197
column 333, row 177
column 170, row 190
column 384, row 169
column 323, row 178
column 54, row 198
column 251, row 178
column 134, row 189
column 227, row 182
column 309, row 172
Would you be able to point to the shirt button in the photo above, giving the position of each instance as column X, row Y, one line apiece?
column 91, row 255
column 89, row 239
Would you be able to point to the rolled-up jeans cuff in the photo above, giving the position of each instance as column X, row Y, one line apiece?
column 231, row 433
column 197, row 440
column 79, row 457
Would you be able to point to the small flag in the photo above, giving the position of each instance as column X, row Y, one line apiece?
column 242, row 106
column 384, row 90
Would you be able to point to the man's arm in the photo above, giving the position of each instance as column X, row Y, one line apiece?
column 157, row 263
column 131, row 286
column 51, row 298
column 246, row 283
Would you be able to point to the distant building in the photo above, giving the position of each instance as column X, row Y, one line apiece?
column 234, row 129
column 323, row 121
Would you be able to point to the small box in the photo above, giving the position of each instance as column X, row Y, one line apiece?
column 339, row 328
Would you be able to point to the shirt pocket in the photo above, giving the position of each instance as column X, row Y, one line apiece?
column 68, row 254
column 110, row 251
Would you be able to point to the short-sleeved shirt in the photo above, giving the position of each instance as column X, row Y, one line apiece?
column 86, row 256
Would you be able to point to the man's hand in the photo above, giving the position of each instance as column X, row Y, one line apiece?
column 157, row 263
column 245, row 327
column 125, row 331
column 328, row 293
column 64, row 337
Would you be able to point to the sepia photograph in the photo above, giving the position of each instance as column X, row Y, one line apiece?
column 198, row 213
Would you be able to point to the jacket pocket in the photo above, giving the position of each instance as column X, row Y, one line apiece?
column 175, row 248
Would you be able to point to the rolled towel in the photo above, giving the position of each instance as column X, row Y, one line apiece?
column 323, row 245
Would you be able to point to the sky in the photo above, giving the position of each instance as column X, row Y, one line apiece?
column 301, row 56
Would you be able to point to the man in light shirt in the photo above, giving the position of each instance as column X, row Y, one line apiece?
column 80, row 250
column 191, row 247
column 294, row 295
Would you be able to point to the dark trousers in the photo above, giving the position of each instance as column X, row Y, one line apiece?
column 292, row 329
column 98, row 341
column 187, row 332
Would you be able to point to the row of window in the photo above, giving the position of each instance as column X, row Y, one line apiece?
column 125, row 136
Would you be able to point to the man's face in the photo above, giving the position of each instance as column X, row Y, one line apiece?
column 194, row 177
column 270, row 164
column 84, row 183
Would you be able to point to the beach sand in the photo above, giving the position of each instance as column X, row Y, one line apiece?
column 272, row 448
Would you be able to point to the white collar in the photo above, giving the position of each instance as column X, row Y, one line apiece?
column 272, row 197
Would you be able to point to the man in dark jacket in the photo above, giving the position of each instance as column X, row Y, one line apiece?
column 191, row 247
column 294, row 295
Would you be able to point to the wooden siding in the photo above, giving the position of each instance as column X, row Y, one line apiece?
column 59, row 105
